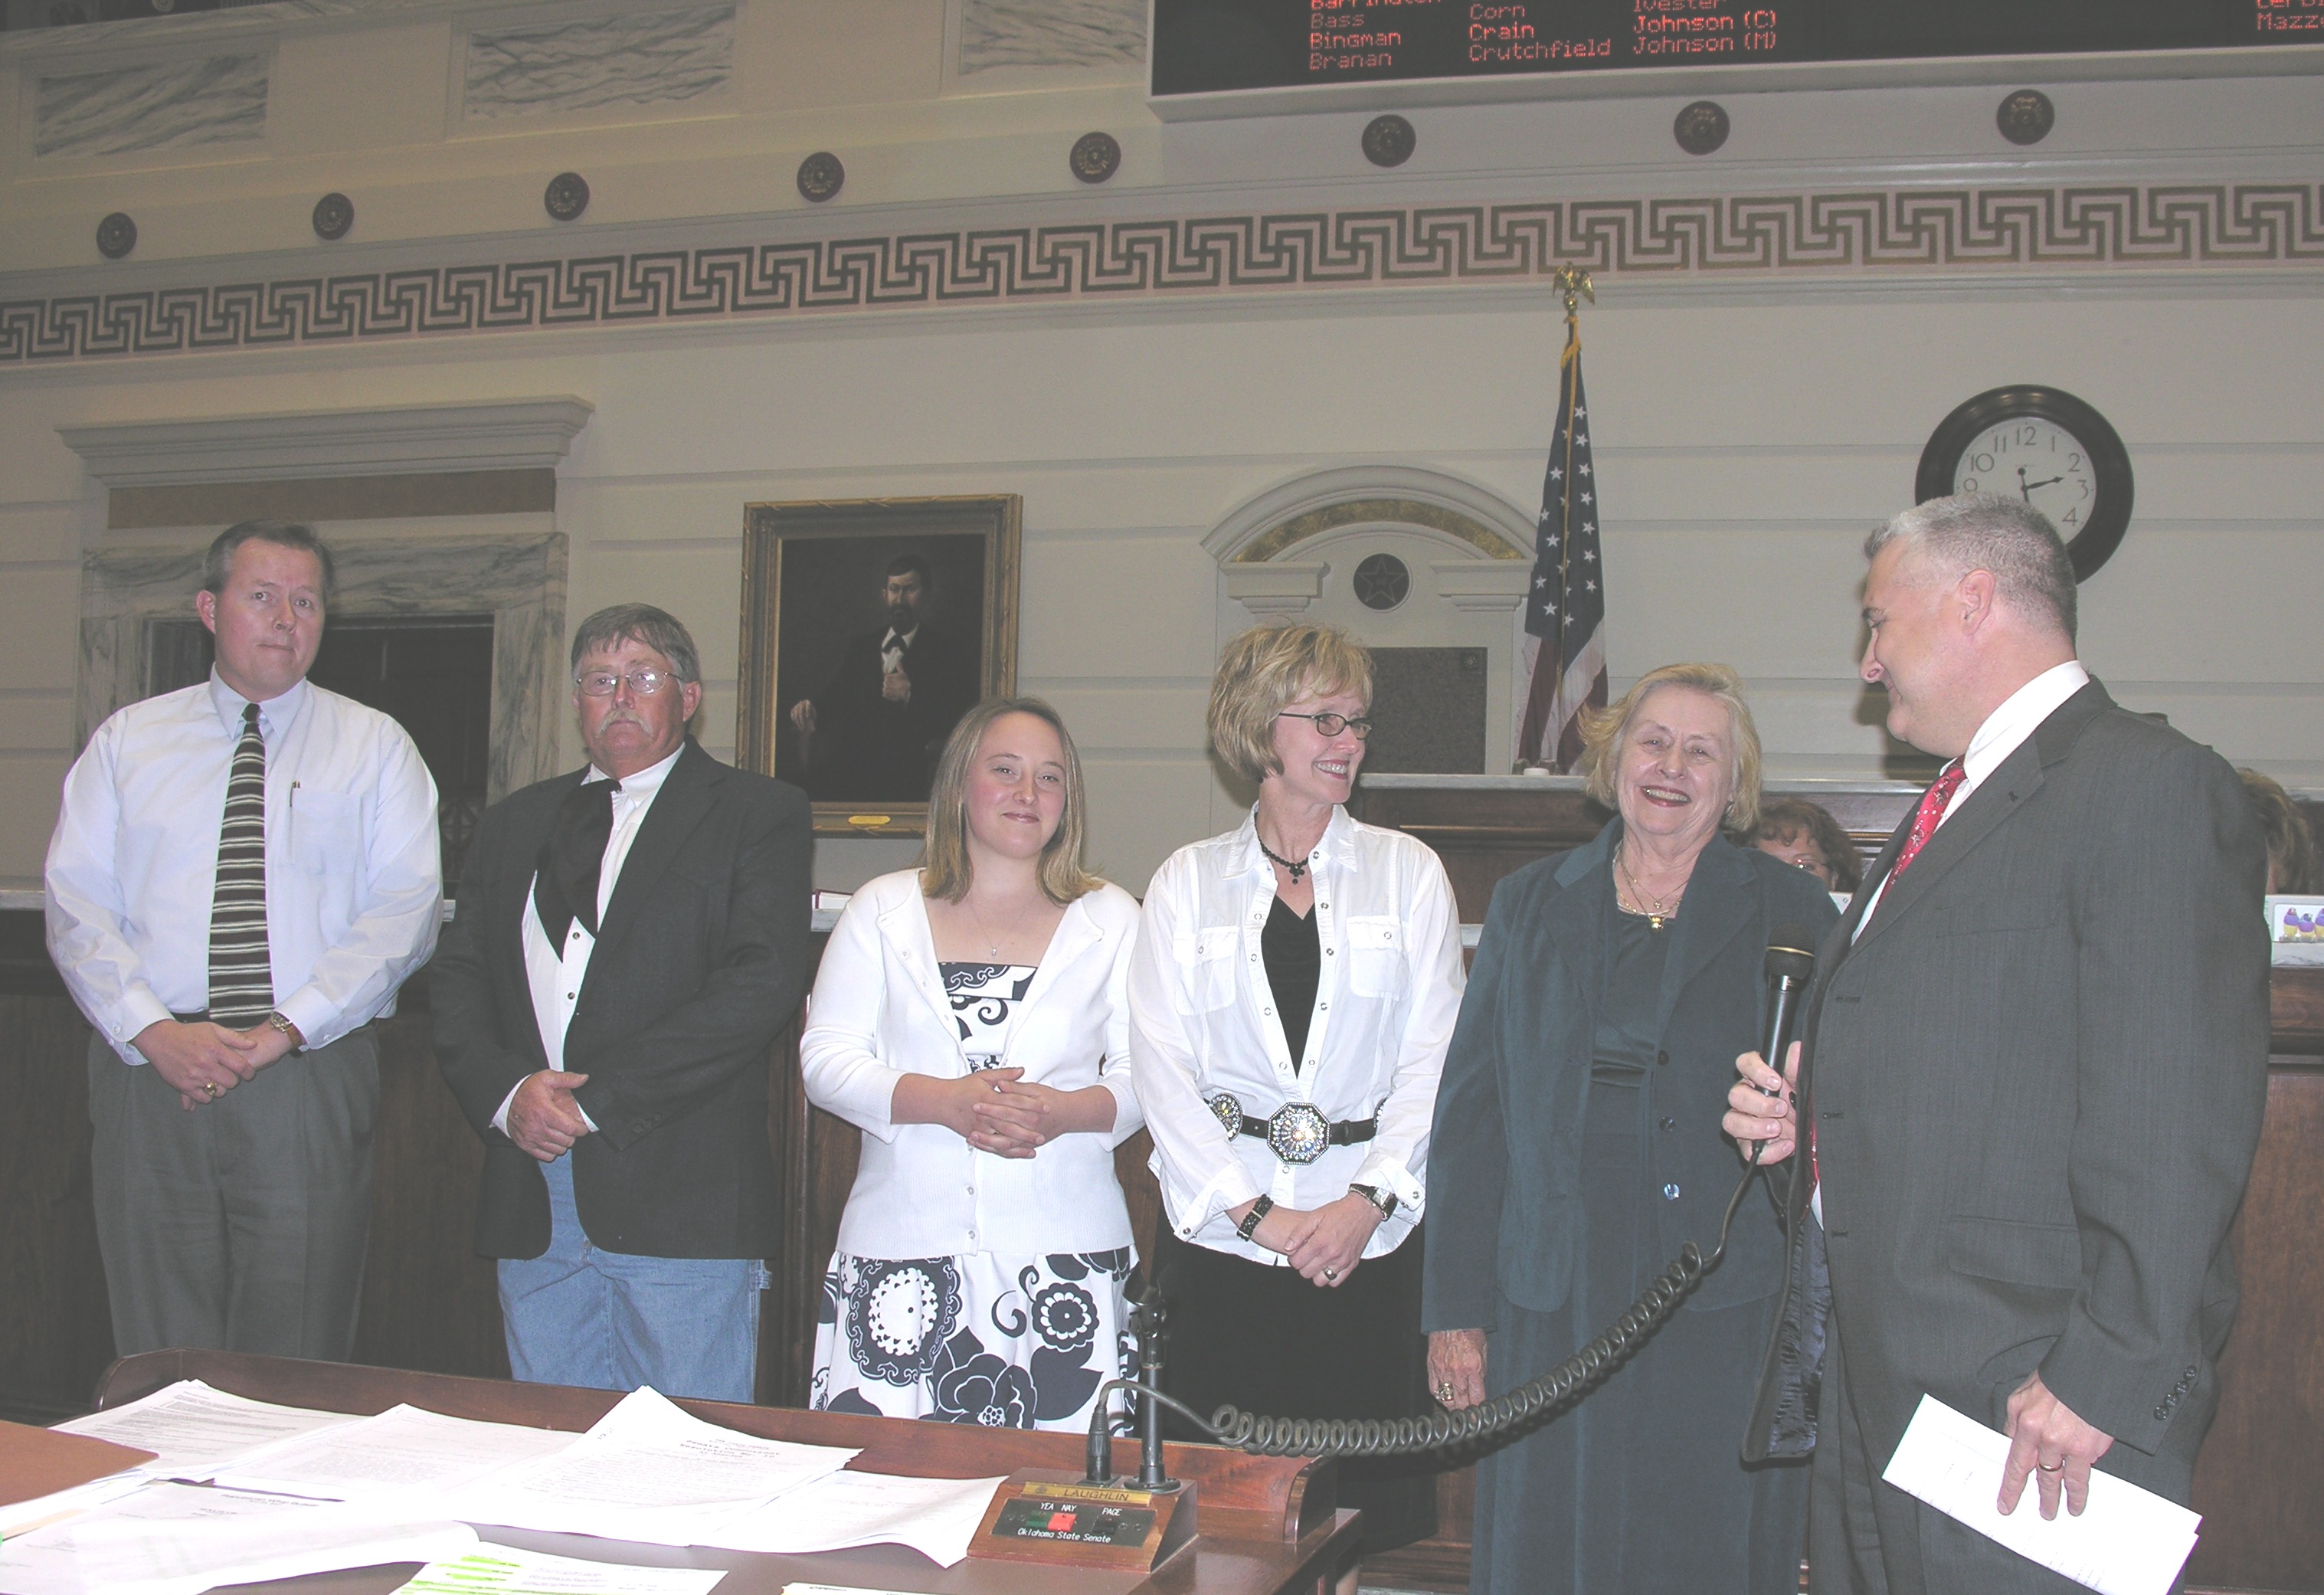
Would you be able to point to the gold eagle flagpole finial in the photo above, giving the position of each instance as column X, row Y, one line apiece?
column 1574, row 283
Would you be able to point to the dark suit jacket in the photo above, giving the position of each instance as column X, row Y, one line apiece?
column 869, row 749
column 2036, row 1080
column 698, row 966
column 1505, row 1156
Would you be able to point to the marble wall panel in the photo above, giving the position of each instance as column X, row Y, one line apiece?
column 599, row 62
column 517, row 576
column 1050, row 33
column 219, row 99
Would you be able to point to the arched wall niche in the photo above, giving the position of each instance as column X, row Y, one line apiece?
column 1448, row 649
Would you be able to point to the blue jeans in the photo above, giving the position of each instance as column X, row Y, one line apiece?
column 610, row 1321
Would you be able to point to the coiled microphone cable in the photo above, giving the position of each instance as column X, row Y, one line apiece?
column 1789, row 963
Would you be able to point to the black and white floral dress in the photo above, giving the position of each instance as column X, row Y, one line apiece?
column 1007, row 1341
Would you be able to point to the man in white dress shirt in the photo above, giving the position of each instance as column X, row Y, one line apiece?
column 631, row 939
column 2033, row 1067
column 244, row 873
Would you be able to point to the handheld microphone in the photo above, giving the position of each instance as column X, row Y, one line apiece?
column 1790, row 960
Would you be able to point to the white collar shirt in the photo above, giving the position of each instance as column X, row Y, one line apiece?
column 2005, row 731
column 554, row 974
column 1204, row 1024
column 354, row 860
column 893, row 647
column 881, row 1010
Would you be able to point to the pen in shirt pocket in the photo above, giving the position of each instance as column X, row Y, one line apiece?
column 290, row 819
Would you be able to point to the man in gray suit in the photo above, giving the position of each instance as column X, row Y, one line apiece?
column 2034, row 1066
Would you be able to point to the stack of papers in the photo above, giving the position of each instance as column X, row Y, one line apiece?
column 271, row 1492
column 937, row 1517
column 402, row 1449
column 180, row 1539
column 2127, row 1541
column 649, row 1471
column 194, row 1430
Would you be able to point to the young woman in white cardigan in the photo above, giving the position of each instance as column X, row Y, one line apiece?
column 970, row 1018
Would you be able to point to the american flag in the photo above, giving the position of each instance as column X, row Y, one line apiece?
column 1566, row 608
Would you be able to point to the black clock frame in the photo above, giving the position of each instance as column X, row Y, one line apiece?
column 2109, row 461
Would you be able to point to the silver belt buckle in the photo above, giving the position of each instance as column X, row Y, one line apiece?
column 1228, row 1111
column 1299, row 1132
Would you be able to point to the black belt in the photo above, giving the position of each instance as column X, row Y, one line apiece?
column 1297, row 1132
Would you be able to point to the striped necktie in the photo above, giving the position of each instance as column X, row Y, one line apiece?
column 242, row 977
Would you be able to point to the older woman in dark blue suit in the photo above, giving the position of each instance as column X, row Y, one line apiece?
column 1577, row 1147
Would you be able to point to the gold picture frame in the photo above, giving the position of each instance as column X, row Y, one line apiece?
column 817, row 611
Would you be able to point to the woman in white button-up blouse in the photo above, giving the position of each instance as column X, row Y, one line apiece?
column 970, row 1017
column 1292, row 997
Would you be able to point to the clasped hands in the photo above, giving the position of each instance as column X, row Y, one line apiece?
column 203, row 1060
column 999, row 1111
column 1323, row 1243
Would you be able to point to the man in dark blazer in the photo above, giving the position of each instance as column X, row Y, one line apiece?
column 2034, row 1066
column 629, row 940
column 873, row 732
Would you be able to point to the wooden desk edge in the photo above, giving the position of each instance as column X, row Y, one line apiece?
column 1243, row 1496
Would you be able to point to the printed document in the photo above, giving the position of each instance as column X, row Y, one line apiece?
column 194, row 1430
column 649, row 1471
column 937, row 1517
column 182, row 1539
column 21, row 1517
column 402, row 1447
column 504, row 1569
column 2127, row 1541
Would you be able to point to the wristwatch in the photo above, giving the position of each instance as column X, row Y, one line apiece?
column 1383, row 1200
column 282, row 1022
column 1259, row 1210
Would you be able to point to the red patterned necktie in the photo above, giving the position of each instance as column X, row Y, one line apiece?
column 1925, row 820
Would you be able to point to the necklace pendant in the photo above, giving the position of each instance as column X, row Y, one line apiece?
column 1654, row 922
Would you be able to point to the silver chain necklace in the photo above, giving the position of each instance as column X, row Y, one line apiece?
column 992, row 943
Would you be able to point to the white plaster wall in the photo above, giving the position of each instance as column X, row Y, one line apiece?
column 1747, row 435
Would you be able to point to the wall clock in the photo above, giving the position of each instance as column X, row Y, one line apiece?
column 2045, row 446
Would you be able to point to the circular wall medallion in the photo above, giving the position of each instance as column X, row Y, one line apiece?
column 567, row 196
column 333, row 215
column 819, row 177
column 2026, row 116
column 116, row 235
column 2046, row 447
column 1382, row 581
column 1390, row 140
column 1700, row 127
column 1096, row 157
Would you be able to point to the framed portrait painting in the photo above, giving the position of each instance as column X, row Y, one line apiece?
column 869, row 627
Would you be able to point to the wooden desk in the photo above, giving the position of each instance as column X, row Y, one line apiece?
column 1269, row 1525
